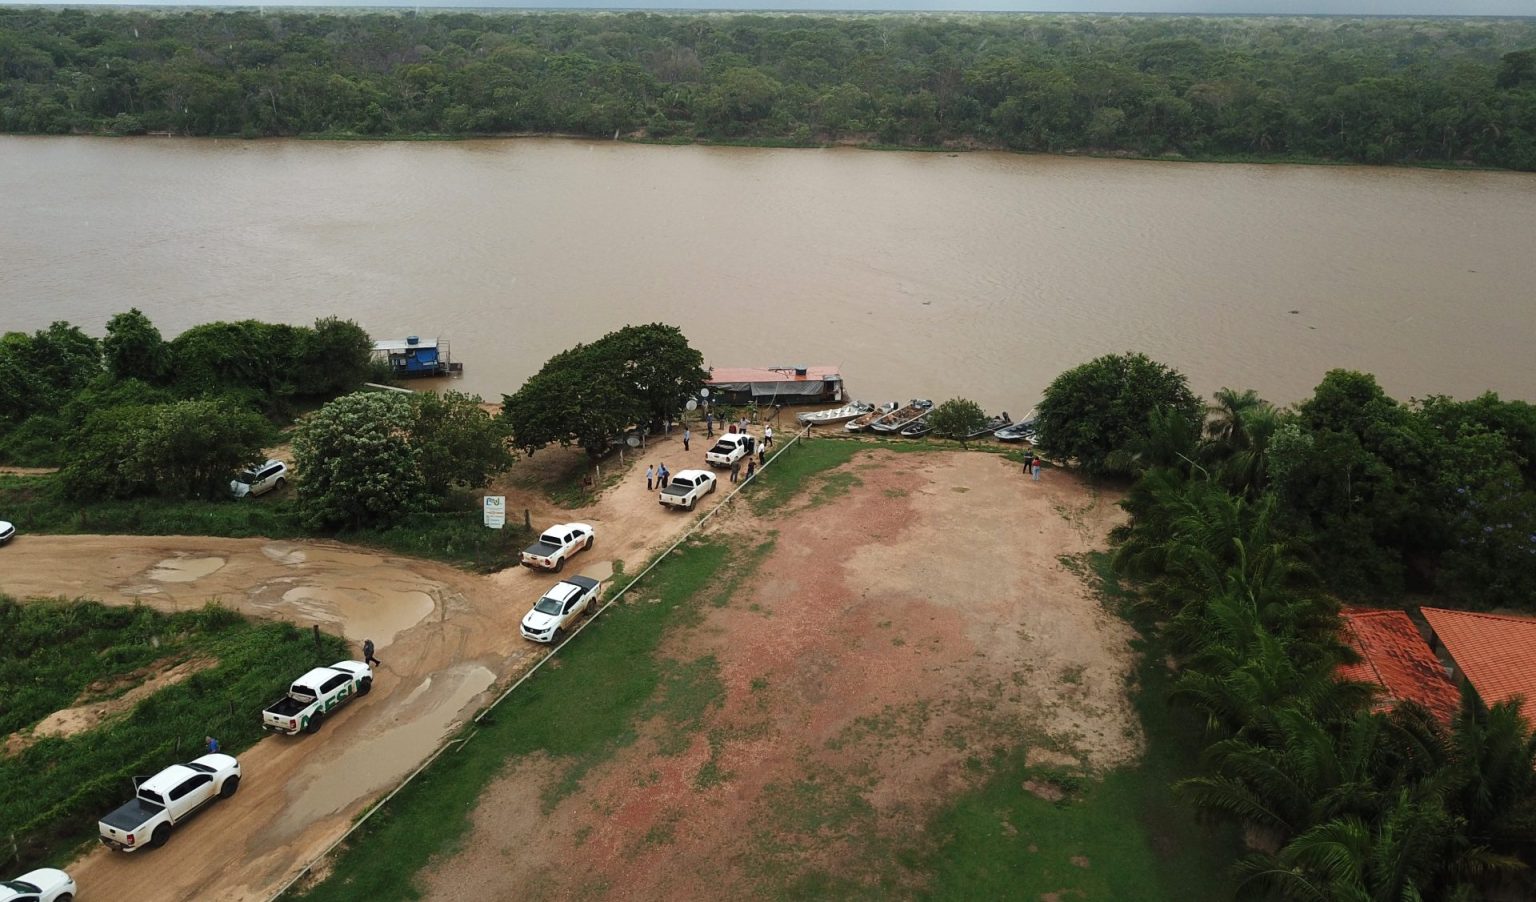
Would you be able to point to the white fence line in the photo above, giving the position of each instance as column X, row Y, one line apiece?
column 379, row 805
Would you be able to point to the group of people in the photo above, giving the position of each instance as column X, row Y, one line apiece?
column 656, row 477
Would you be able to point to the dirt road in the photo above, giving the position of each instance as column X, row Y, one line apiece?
column 892, row 641
column 445, row 638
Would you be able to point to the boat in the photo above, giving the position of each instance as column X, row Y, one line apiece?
column 898, row 420
column 836, row 415
column 862, row 421
column 917, row 428
column 1022, row 431
column 991, row 426
column 416, row 356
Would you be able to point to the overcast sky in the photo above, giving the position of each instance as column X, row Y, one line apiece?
column 1261, row 7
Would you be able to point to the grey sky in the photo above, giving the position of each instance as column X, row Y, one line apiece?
column 1244, row 7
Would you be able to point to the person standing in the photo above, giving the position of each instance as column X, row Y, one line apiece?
column 709, row 424
column 664, row 475
column 1034, row 468
column 736, row 470
column 213, row 744
column 751, row 467
column 762, row 453
column 767, row 436
column 650, row 477
column 687, row 434
column 368, row 657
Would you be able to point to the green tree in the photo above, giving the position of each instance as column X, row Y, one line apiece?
column 133, row 347
column 457, row 442
column 654, row 364
column 355, row 464
column 181, row 449
column 335, row 357
column 957, row 418
column 1103, row 406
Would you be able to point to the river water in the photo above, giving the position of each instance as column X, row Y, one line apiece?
column 936, row 275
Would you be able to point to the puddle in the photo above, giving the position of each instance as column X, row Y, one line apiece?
column 602, row 570
column 377, row 614
column 374, row 762
column 184, row 569
column 284, row 554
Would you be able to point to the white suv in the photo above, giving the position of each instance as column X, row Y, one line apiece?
column 259, row 480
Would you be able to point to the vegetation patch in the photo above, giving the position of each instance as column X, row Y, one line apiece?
column 52, row 792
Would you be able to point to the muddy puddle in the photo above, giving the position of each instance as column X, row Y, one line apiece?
column 184, row 568
column 373, row 762
column 374, row 613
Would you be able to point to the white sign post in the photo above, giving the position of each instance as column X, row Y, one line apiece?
column 495, row 511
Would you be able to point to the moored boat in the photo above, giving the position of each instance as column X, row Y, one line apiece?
column 836, row 415
column 1024, row 430
column 862, row 421
column 900, row 419
column 992, row 425
column 917, row 428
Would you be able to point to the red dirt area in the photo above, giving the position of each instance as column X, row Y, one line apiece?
column 897, row 634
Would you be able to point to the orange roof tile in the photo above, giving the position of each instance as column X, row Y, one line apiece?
column 1496, row 653
column 782, row 374
column 1394, row 656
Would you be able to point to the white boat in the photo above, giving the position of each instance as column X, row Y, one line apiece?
column 836, row 415
column 898, row 420
column 862, row 421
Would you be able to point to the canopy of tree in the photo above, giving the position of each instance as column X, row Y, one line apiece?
column 370, row 459
column 133, row 414
column 1367, row 90
column 592, row 394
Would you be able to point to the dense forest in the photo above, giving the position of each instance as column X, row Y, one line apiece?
column 1366, row 90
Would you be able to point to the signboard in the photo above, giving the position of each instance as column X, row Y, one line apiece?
column 495, row 511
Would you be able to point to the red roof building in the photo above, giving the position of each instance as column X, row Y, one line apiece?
column 1496, row 653
column 1395, row 656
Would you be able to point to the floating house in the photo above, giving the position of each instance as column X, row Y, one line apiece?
column 416, row 356
column 776, row 385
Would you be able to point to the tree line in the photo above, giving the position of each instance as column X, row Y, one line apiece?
column 1364, row 90
column 1248, row 523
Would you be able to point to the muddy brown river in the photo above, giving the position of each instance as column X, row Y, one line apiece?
column 920, row 274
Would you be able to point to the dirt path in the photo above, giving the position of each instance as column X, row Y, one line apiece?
column 445, row 638
column 891, row 642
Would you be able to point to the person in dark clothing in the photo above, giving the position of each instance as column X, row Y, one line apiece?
column 687, row 434
column 736, row 470
column 751, row 467
column 368, row 657
column 762, row 454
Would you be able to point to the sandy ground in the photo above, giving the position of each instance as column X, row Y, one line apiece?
column 894, row 638
column 446, row 639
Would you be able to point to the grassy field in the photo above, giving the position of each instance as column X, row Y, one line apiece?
column 53, row 792
column 1122, row 836
column 455, row 536
column 617, row 653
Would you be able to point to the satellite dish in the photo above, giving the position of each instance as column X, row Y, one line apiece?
column 692, row 404
column 633, row 441
column 703, row 392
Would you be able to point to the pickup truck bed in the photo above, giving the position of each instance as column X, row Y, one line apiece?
column 542, row 549
column 132, row 814
column 676, row 491
column 287, row 706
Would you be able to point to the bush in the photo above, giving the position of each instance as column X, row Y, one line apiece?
column 1104, row 406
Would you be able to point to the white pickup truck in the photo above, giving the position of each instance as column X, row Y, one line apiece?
column 556, row 544
column 728, row 449
column 560, row 607
column 315, row 695
column 167, row 799
column 686, row 488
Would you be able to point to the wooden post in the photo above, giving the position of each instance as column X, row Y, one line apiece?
column 527, row 519
column 317, row 637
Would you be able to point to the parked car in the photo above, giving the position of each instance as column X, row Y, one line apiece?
column 686, row 488
column 313, row 696
column 260, row 480
column 167, row 799
column 7, row 532
column 560, row 607
column 556, row 544
column 41, row 885
column 728, row 449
